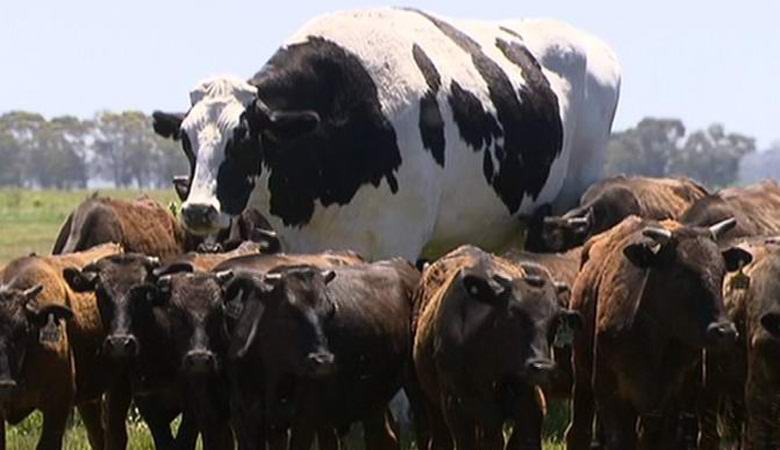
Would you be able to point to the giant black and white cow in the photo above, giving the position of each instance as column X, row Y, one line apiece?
column 394, row 132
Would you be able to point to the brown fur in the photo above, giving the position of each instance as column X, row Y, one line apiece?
column 68, row 372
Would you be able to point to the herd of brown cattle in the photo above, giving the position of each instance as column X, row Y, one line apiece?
column 654, row 307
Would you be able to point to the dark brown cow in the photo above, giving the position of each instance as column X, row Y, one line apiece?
column 743, row 381
column 563, row 269
column 650, row 295
column 335, row 342
column 145, row 226
column 45, row 365
column 756, row 208
column 483, row 331
column 608, row 202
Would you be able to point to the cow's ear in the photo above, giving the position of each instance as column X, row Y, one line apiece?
column 736, row 258
column 167, row 125
column 771, row 323
column 80, row 280
column 328, row 275
column 181, row 184
column 485, row 289
column 285, row 125
column 572, row 319
column 39, row 316
column 641, row 254
column 562, row 293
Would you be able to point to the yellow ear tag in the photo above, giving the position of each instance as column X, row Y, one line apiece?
column 50, row 333
column 564, row 336
column 740, row 280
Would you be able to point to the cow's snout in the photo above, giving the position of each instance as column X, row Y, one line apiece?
column 121, row 346
column 200, row 217
column 200, row 362
column 539, row 370
column 7, row 387
column 320, row 364
column 721, row 333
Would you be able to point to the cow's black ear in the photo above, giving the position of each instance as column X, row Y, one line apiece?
column 562, row 293
column 736, row 258
column 642, row 254
column 485, row 289
column 573, row 319
column 167, row 125
column 39, row 316
column 80, row 281
column 181, row 184
column 284, row 125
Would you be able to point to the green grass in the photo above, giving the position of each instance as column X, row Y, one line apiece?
column 29, row 222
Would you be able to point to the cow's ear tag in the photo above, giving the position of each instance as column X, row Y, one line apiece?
column 50, row 333
column 564, row 336
column 234, row 307
column 740, row 280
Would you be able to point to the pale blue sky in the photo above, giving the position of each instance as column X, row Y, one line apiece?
column 700, row 61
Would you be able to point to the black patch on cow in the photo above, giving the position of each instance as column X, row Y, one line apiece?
column 237, row 174
column 510, row 31
column 431, row 122
column 354, row 144
column 532, row 129
column 476, row 126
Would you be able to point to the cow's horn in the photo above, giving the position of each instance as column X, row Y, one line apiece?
column 658, row 234
column 722, row 227
column 577, row 221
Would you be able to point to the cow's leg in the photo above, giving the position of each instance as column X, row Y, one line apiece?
column 90, row 415
column 618, row 419
column 217, row 436
column 378, row 431
column 2, row 432
column 417, row 403
column 157, row 416
column 55, row 417
column 440, row 437
column 187, row 434
column 462, row 427
column 117, row 404
column 528, row 412
column 491, row 437
column 580, row 432
column 762, row 429
column 328, row 439
column 301, row 437
column 278, row 439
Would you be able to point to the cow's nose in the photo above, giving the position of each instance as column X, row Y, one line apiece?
column 199, row 215
column 200, row 362
column 721, row 333
column 7, row 387
column 121, row 346
column 539, row 370
column 320, row 364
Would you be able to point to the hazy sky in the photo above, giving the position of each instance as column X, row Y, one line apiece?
column 700, row 61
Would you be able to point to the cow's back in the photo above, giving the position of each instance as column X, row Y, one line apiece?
column 140, row 226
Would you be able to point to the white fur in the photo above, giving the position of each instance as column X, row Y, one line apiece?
column 435, row 208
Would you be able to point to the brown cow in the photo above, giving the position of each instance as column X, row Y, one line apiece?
column 650, row 295
column 756, row 208
column 145, row 226
column 483, row 330
column 743, row 381
column 44, row 365
column 608, row 202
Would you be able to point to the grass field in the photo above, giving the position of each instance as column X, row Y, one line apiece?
column 29, row 222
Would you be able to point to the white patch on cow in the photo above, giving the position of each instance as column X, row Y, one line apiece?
column 217, row 104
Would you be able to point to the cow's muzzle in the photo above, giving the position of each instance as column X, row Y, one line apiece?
column 539, row 370
column 7, row 387
column 320, row 364
column 721, row 333
column 200, row 362
column 121, row 346
column 200, row 218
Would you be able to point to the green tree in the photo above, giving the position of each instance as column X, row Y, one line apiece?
column 124, row 147
column 645, row 149
column 712, row 156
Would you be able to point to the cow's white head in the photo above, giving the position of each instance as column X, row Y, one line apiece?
column 222, row 135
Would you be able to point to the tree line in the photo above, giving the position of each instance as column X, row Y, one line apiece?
column 67, row 152
column 122, row 149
